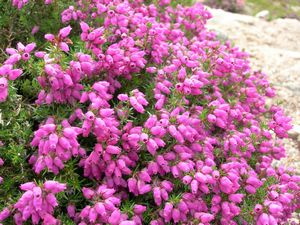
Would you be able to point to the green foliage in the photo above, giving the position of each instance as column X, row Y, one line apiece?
column 250, row 201
column 277, row 8
column 182, row 2
column 66, row 220
column 16, row 25
column 173, row 3
column 15, row 133
column 19, row 117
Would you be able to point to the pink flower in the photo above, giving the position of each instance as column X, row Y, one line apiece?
column 226, row 185
column 64, row 32
column 4, row 214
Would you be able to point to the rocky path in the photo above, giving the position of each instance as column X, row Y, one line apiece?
column 274, row 47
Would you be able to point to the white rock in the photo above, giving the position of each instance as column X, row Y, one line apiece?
column 263, row 14
column 295, row 132
column 295, row 8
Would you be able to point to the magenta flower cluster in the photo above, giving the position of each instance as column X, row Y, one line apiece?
column 21, row 3
column 182, row 132
column 37, row 203
column 8, row 72
column 56, row 145
column 105, row 209
column 1, row 164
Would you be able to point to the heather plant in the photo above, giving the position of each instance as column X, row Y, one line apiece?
column 134, row 113
column 29, row 23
